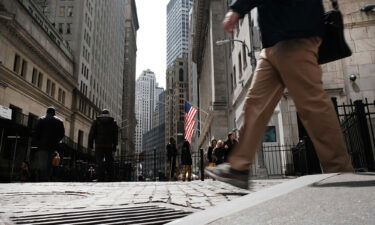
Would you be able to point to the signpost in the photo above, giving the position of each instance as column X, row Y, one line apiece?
column 5, row 112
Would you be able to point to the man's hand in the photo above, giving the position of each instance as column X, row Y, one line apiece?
column 230, row 21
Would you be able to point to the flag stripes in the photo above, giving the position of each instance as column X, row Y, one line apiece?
column 190, row 113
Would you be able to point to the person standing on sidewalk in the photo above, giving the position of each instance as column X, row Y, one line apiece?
column 49, row 132
column 55, row 166
column 211, row 161
column 291, row 35
column 186, row 160
column 229, row 145
column 104, row 132
column 171, row 157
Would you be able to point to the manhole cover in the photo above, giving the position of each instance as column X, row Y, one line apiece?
column 41, row 197
column 130, row 215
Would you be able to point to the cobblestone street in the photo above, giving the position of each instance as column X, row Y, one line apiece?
column 36, row 198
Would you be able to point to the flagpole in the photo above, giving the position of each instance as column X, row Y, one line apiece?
column 198, row 108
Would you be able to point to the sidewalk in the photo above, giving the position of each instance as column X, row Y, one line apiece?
column 22, row 199
column 347, row 199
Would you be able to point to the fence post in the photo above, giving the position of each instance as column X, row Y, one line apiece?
column 154, row 164
column 202, row 163
column 363, row 127
column 334, row 101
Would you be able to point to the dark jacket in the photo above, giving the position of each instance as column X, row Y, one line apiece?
column 231, row 145
column 171, row 151
column 219, row 154
column 209, row 154
column 285, row 19
column 49, row 132
column 104, row 131
column 186, row 154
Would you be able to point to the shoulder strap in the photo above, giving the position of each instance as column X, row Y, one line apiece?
column 335, row 4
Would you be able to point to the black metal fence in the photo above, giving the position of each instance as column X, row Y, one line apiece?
column 154, row 166
column 358, row 122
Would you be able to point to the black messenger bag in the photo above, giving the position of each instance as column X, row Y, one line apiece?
column 334, row 46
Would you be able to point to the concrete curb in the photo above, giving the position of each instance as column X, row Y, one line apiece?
column 215, row 213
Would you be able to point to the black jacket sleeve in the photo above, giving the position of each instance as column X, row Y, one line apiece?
column 244, row 6
column 61, row 133
column 115, row 133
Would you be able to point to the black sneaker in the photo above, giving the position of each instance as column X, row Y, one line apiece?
column 225, row 173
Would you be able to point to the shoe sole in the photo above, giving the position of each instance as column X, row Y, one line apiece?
column 236, row 183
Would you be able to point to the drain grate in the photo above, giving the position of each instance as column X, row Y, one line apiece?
column 130, row 215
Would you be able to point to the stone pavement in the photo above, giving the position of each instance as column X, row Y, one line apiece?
column 345, row 199
column 20, row 199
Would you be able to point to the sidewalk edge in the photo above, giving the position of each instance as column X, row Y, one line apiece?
column 250, row 200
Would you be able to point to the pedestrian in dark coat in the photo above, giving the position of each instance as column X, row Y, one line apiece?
column 229, row 145
column 219, row 152
column 210, row 150
column 186, row 160
column 49, row 132
column 104, row 132
column 171, row 157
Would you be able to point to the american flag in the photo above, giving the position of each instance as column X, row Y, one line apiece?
column 190, row 113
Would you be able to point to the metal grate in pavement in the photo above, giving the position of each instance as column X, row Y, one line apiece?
column 130, row 215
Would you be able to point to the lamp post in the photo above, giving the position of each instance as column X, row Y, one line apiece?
column 249, row 53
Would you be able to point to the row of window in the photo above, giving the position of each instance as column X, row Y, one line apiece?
column 66, row 11
column 20, row 66
column 68, row 28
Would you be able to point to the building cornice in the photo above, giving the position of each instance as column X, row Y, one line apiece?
column 20, row 85
column 17, row 33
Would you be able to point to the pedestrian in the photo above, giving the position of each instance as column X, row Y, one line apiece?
column 186, row 160
column 55, row 165
column 219, row 153
column 49, row 132
column 104, row 132
column 24, row 173
column 210, row 151
column 291, row 34
column 171, row 157
column 229, row 145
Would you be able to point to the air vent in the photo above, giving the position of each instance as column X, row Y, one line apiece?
column 130, row 215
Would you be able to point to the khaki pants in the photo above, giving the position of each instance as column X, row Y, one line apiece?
column 186, row 169
column 292, row 64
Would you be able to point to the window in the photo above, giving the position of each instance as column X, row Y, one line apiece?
column 40, row 80
column 70, row 11
column 17, row 62
column 239, row 65
column 270, row 135
column 181, row 75
column 59, row 95
column 62, row 11
column 60, row 28
column 68, row 28
column 34, row 77
column 63, row 98
column 244, row 56
column 53, row 90
column 234, row 77
column 24, row 68
column 48, row 88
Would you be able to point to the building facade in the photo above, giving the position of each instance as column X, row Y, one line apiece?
column 36, row 71
column 213, row 64
column 177, row 92
column 144, row 105
column 177, row 29
column 129, row 122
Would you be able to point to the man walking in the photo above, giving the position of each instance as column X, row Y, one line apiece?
column 291, row 35
column 49, row 132
column 171, row 157
column 104, row 132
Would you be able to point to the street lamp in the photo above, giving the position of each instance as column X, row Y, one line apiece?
column 249, row 53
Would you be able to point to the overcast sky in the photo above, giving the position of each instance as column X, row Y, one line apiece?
column 151, row 37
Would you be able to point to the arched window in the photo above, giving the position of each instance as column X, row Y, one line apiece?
column 181, row 75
